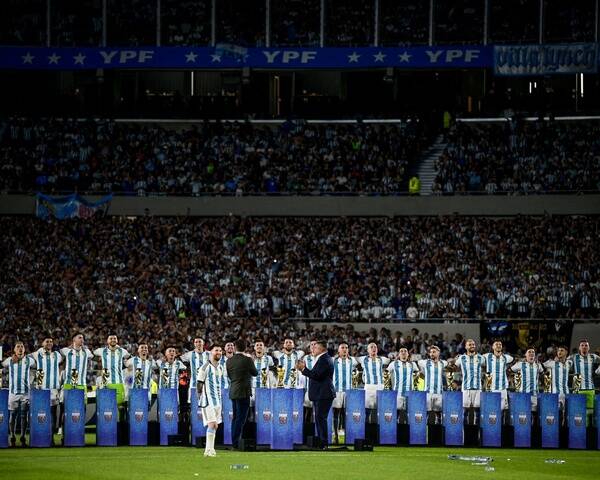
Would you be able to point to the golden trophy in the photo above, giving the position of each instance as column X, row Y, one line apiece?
column 518, row 378
column 138, row 377
column 74, row 377
column 164, row 381
column 387, row 380
column 263, row 377
column 105, row 376
column 415, row 381
column 293, row 375
column 487, row 382
column 450, row 380
column 577, row 379
column 39, row 378
column 547, row 381
column 355, row 378
column 280, row 375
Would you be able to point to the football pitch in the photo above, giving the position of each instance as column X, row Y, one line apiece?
column 384, row 462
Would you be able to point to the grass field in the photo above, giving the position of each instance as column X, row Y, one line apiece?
column 385, row 462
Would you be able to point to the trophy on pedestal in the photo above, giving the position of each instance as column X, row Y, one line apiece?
column 164, row 374
column 263, row 377
column 577, row 379
column 293, row 376
column 74, row 377
column 518, row 379
column 39, row 378
column 415, row 380
column 280, row 376
column 487, row 382
column 450, row 380
column 387, row 380
column 138, row 378
column 355, row 378
column 547, row 381
column 105, row 376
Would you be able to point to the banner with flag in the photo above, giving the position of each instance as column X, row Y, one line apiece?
column 71, row 206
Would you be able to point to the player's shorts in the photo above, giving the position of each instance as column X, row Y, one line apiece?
column 401, row 401
column 212, row 414
column 589, row 404
column 16, row 399
column 340, row 400
column 307, row 402
column 471, row 398
column 434, row 402
column 371, row 395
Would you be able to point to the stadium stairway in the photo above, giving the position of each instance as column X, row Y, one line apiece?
column 426, row 168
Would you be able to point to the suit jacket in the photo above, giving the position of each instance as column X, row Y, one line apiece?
column 240, row 370
column 321, row 379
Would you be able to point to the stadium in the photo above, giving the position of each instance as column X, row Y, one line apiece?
column 299, row 238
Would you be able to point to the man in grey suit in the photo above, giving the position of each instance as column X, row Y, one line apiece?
column 240, row 370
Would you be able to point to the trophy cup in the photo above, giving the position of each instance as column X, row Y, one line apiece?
column 518, row 381
column 263, row 377
column 280, row 375
column 138, row 378
column 105, row 376
column 487, row 382
column 355, row 378
column 387, row 380
column 39, row 378
column 164, row 378
column 415, row 381
column 74, row 377
column 547, row 381
column 577, row 382
column 293, row 375
column 450, row 380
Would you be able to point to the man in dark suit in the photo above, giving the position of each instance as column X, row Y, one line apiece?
column 240, row 370
column 320, row 389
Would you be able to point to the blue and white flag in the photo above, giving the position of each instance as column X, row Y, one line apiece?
column 70, row 206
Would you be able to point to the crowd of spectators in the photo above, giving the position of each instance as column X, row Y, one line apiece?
column 349, row 23
column 403, row 23
column 223, row 158
column 163, row 279
column 76, row 23
column 520, row 157
column 295, row 23
column 186, row 22
column 459, row 21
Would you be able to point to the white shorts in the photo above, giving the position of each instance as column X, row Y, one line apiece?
column 371, row 395
column 307, row 402
column 340, row 400
column 534, row 403
column 15, row 399
column 471, row 398
column 434, row 402
column 212, row 415
column 401, row 401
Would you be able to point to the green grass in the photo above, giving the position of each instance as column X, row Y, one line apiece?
column 148, row 463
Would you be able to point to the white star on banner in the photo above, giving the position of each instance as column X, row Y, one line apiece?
column 379, row 57
column 191, row 57
column 216, row 58
column 28, row 58
column 404, row 57
column 79, row 58
column 54, row 58
column 353, row 58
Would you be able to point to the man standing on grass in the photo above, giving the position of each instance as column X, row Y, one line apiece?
column 210, row 378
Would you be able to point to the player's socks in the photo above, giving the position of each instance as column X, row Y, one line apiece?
column 210, row 440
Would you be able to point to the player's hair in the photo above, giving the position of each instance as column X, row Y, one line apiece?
column 583, row 340
column 564, row 347
column 48, row 335
column 323, row 343
column 288, row 338
column 171, row 346
column 433, row 347
column 76, row 334
column 111, row 335
column 18, row 342
column 241, row 345
column 142, row 343
column 258, row 340
column 215, row 345
column 343, row 343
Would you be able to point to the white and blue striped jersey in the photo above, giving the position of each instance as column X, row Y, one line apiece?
column 19, row 378
column 496, row 367
column 530, row 374
column 310, row 362
column 146, row 366
column 112, row 360
column 402, row 375
column 560, row 375
column 172, row 373
column 76, row 360
column 434, row 375
column 373, row 369
column 196, row 360
column 225, row 382
column 470, row 367
column 212, row 376
column 261, row 363
column 288, row 362
column 584, row 366
column 48, row 362
column 342, row 373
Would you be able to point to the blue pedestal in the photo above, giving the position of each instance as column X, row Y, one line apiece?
column 74, row 424
column 576, row 420
column 106, row 417
column 4, row 418
column 520, row 412
column 227, row 417
column 417, row 417
column 491, row 419
column 168, row 414
column 263, row 415
column 453, row 418
column 138, row 417
column 355, row 414
column 387, row 416
column 549, row 419
column 282, row 401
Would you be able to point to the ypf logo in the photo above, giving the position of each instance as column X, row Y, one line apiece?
column 283, row 418
column 454, row 418
column 108, row 416
column 41, row 418
column 267, row 415
column 387, row 416
column 522, row 419
column 138, row 415
column 492, row 418
column 75, row 417
column 549, row 419
column 418, row 417
column 169, row 415
column 356, row 416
